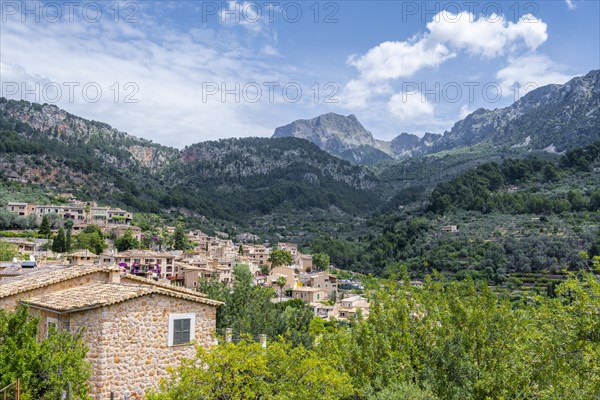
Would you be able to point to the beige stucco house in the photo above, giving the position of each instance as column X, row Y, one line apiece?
column 351, row 306
column 283, row 271
column 309, row 294
column 325, row 281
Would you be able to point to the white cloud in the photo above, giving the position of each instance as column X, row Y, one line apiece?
column 409, row 106
column 357, row 93
column 269, row 50
column 392, row 60
column 530, row 72
column 169, row 65
column 448, row 33
column 570, row 4
column 245, row 14
column 489, row 36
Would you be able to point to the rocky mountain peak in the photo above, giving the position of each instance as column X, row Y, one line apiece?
column 332, row 132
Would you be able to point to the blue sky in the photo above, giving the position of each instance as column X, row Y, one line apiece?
column 189, row 71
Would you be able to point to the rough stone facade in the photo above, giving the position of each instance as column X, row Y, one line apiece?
column 128, row 342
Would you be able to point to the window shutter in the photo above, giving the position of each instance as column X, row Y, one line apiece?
column 181, row 331
column 185, row 330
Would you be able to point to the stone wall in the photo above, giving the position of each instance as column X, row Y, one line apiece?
column 128, row 342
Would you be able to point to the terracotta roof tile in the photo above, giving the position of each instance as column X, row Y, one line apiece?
column 144, row 254
column 48, row 276
column 43, row 278
column 167, row 286
column 99, row 294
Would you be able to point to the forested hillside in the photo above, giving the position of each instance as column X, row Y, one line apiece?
column 532, row 213
column 230, row 183
column 517, row 217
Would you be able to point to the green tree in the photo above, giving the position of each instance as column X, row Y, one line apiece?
column 281, row 282
column 461, row 341
column 265, row 270
column 577, row 200
column 595, row 249
column 280, row 257
column 126, row 241
column 180, row 241
column 551, row 173
column 45, row 227
column 68, row 225
column 8, row 251
column 91, row 239
column 595, row 200
column 44, row 366
column 321, row 261
column 248, row 371
column 59, row 242
column 248, row 309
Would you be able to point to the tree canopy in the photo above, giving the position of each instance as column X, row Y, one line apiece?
column 280, row 257
column 44, row 366
column 246, row 370
column 126, row 241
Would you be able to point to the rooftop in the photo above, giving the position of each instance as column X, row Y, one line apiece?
column 308, row 289
column 144, row 254
column 354, row 298
column 45, row 276
column 99, row 294
column 83, row 253
column 166, row 286
column 42, row 277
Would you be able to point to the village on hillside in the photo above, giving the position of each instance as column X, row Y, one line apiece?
column 144, row 303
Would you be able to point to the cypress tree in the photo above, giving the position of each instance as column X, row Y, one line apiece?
column 59, row 243
column 45, row 227
column 180, row 241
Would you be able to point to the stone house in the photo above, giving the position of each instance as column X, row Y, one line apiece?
column 259, row 255
column 23, row 246
column 325, row 281
column 21, row 209
column 322, row 310
column 134, row 327
column 77, row 211
column 82, row 257
column 449, row 228
column 285, row 271
column 309, row 294
column 225, row 273
column 193, row 274
column 355, row 302
column 145, row 262
column 304, row 262
column 74, row 212
column 119, row 230
column 350, row 307
column 291, row 247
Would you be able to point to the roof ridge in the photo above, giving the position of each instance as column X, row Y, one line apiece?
column 118, row 297
column 38, row 280
column 165, row 285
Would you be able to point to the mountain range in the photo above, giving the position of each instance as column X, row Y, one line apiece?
column 552, row 118
column 249, row 183
column 306, row 176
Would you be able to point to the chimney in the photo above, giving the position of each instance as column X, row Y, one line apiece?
column 114, row 275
